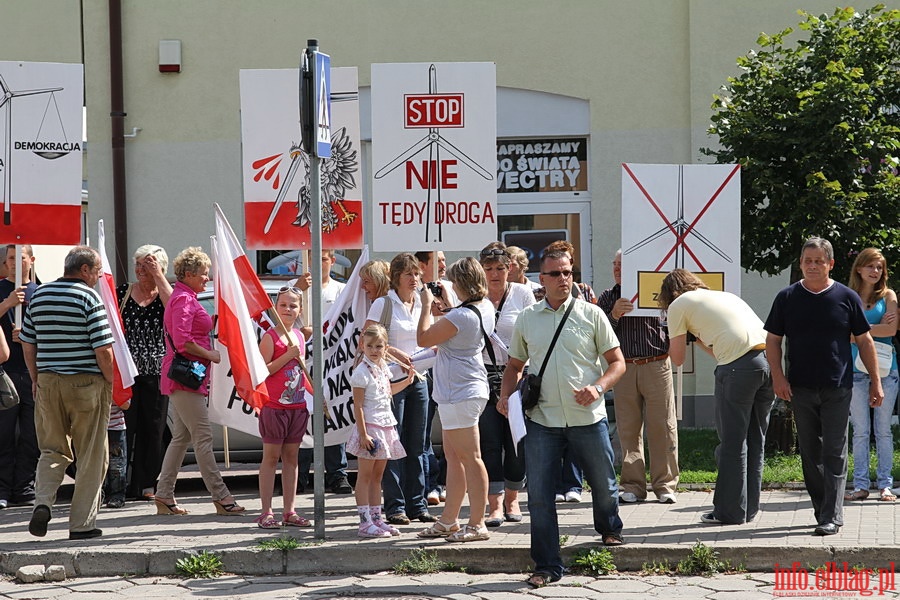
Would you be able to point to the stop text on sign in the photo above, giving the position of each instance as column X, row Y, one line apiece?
column 433, row 110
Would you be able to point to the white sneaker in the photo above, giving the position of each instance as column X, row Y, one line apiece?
column 628, row 497
column 433, row 498
column 667, row 499
column 560, row 498
column 573, row 496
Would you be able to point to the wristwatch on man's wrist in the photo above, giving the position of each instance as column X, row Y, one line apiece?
column 599, row 389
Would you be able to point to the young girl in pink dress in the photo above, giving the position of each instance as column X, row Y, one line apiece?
column 375, row 440
column 283, row 419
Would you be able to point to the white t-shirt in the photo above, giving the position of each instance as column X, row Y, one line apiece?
column 459, row 372
column 377, row 383
column 402, row 333
column 519, row 297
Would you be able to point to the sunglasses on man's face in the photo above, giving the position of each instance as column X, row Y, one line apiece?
column 555, row 274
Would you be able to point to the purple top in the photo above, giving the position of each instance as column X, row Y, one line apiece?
column 185, row 320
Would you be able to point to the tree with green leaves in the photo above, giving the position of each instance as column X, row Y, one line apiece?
column 815, row 126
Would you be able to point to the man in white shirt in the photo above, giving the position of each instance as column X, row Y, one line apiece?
column 335, row 456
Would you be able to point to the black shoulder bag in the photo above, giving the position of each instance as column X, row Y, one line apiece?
column 529, row 386
column 493, row 392
column 187, row 372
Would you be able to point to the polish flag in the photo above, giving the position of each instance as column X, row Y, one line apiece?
column 124, row 369
column 240, row 299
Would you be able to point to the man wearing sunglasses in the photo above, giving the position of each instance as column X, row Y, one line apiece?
column 570, row 413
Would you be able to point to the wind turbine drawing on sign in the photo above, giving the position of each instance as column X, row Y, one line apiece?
column 434, row 142
column 681, row 228
column 6, row 102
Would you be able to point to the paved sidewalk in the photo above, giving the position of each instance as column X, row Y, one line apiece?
column 451, row 585
column 136, row 541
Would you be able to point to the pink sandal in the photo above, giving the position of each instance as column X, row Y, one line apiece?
column 267, row 521
column 292, row 518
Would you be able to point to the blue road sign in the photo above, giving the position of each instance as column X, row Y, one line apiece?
column 322, row 104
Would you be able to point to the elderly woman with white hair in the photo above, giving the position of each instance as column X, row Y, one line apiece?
column 142, row 305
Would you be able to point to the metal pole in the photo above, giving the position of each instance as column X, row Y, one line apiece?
column 315, row 264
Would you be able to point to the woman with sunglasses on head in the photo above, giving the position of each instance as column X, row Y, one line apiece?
column 142, row 305
column 505, row 466
column 187, row 327
column 461, row 393
column 869, row 279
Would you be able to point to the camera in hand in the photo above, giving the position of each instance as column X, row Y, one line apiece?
column 437, row 290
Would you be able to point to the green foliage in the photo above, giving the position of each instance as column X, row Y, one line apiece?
column 702, row 560
column 659, row 567
column 423, row 561
column 201, row 565
column 563, row 540
column 815, row 127
column 284, row 542
column 598, row 561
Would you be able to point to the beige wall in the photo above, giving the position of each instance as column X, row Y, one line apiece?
column 647, row 67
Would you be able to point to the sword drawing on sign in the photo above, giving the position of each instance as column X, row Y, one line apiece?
column 6, row 102
column 434, row 142
column 679, row 227
column 337, row 177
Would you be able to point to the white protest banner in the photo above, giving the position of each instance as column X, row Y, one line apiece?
column 434, row 135
column 679, row 216
column 276, row 170
column 41, row 125
column 343, row 323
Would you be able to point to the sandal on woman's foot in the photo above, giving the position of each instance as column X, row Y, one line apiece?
column 857, row 495
column 439, row 530
column 295, row 520
column 540, row 579
column 887, row 495
column 470, row 533
column 231, row 509
column 168, row 506
column 386, row 527
column 267, row 521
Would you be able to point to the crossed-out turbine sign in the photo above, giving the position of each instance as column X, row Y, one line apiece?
column 322, row 104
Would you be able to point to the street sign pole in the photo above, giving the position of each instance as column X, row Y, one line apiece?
column 315, row 111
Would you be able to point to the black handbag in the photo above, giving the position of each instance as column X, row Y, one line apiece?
column 9, row 396
column 495, row 375
column 529, row 386
column 187, row 372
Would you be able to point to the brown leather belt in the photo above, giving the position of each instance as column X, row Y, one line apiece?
column 644, row 361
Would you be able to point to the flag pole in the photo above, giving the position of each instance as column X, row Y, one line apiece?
column 215, row 259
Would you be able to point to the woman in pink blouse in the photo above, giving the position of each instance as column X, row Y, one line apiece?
column 187, row 327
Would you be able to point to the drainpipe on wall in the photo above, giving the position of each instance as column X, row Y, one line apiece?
column 117, row 118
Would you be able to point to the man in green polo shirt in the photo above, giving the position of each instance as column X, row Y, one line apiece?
column 571, row 411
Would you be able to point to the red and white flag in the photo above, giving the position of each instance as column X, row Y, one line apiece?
column 240, row 298
column 124, row 369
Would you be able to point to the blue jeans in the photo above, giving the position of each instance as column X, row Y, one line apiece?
column 571, row 477
column 403, row 482
column 545, row 448
column 505, row 467
column 114, row 484
column 884, row 442
column 335, row 465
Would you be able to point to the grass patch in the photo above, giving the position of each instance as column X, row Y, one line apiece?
column 563, row 540
column 422, row 561
column 594, row 561
column 199, row 566
column 702, row 560
column 658, row 567
column 282, row 542
column 696, row 458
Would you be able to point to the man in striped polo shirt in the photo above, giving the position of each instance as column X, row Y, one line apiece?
column 644, row 399
column 67, row 345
